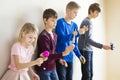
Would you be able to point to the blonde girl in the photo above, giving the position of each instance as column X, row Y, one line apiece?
column 21, row 54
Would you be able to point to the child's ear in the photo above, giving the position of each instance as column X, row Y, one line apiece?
column 68, row 10
column 91, row 12
column 23, row 34
column 44, row 20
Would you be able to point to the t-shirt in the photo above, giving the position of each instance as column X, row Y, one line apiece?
column 25, row 55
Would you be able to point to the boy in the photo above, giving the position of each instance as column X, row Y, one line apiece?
column 85, row 42
column 66, row 30
column 47, row 41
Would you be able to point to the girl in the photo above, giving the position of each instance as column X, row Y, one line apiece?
column 21, row 54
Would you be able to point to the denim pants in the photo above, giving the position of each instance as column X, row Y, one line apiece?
column 87, row 68
column 65, row 73
column 48, row 75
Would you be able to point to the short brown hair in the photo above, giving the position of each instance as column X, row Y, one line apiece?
column 94, row 7
column 72, row 5
column 48, row 13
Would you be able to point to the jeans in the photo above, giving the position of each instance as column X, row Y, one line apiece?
column 48, row 75
column 65, row 73
column 87, row 68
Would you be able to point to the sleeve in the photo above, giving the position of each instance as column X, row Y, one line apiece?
column 60, row 31
column 93, row 43
column 76, row 50
column 55, row 56
column 87, row 35
column 15, row 49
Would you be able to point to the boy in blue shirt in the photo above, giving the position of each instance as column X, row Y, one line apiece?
column 66, row 30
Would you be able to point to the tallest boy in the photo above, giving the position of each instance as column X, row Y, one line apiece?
column 65, row 30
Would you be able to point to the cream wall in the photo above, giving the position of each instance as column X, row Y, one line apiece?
column 14, row 13
column 113, row 35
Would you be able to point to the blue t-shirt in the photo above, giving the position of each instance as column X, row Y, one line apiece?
column 64, row 32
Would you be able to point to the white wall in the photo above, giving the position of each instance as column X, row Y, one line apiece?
column 14, row 13
column 113, row 33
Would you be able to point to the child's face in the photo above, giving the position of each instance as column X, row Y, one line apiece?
column 72, row 13
column 50, row 22
column 29, row 38
column 94, row 14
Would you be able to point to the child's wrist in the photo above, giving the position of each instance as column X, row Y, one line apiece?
column 63, row 53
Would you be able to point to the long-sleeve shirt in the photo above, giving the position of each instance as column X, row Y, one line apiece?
column 46, row 42
column 64, row 32
column 85, row 42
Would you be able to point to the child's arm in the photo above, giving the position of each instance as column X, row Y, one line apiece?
column 20, row 65
column 33, row 74
column 66, row 52
column 78, row 54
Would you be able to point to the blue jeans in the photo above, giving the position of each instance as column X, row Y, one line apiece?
column 87, row 68
column 65, row 73
column 48, row 75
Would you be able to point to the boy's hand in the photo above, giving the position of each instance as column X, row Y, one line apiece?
column 82, row 59
column 83, row 30
column 67, row 50
column 75, row 33
column 106, row 47
column 63, row 62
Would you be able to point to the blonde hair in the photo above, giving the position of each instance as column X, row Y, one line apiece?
column 72, row 5
column 26, row 29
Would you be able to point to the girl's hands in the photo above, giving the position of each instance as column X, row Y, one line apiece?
column 35, row 77
column 39, row 61
column 44, row 58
